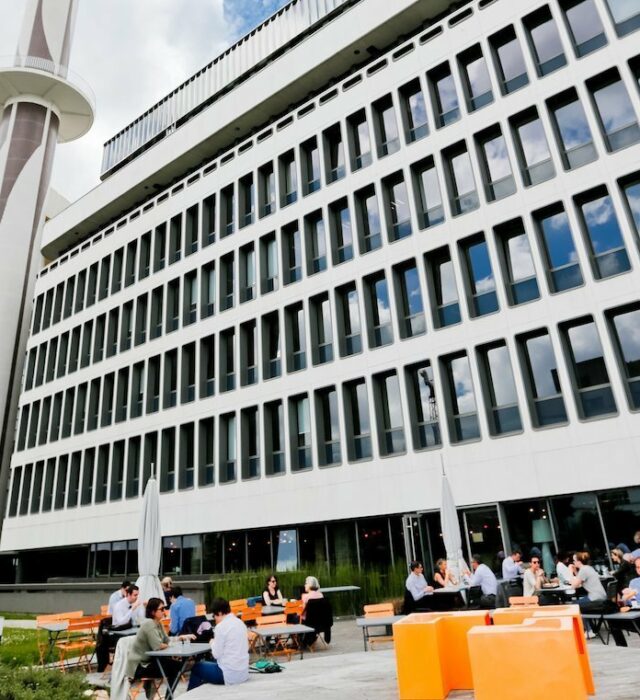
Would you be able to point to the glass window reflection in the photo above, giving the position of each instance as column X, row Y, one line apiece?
column 585, row 26
column 626, row 332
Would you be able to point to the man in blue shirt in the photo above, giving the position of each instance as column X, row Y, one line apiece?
column 485, row 578
column 181, row 609
column 511, row 566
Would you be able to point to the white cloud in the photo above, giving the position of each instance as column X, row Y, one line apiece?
column 132, row 54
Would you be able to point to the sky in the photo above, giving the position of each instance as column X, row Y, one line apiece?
column 132, row 54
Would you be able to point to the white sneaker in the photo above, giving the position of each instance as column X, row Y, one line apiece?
column 590, row 634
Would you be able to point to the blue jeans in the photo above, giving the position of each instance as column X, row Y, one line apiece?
column 205, row 672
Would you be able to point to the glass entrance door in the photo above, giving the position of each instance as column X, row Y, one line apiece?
column 413, row 538
column 484, row 536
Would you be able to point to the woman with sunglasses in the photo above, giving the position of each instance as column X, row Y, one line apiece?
column 152, row 637
column 272, row 595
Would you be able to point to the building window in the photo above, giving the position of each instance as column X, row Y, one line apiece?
column 208, row 220
column 227, row 281
column 368, row 220
column 227, row 207
column 442, row 288
column 463, row 196
column 187, row 467
column 541, row 378
column 321, row 331
column 427, row 193
column 341, row 233
column 295, row 338
column 532, row 148
column 116, row 276
column 247, row 273
column 175, row 239
column 207, row 367
column 544, row 41
column 624, row 324
column 396, row 199
column 359, row 140
column 268, row 263
column 288, row 179
column 378, row 310
column 153, row 385
column 155, row 327
column 137, row 390
column 248, row 353
column 625, row 14
column 348, row 310
column 170, row 384
column 333, row 153
column 356, row 412
column 206, row 447
column 271, row 365
column 584, row 25
column 250, row 443
column 414, row 111
column 227, row 447
column 390, row 424
column 291, row 254
column 501, row 399
column 266, row 190
column 328, row 428
column 117, row 471
column 300, row 432
column 188, row 374
column 509, row 60
column 460, row 399
column 88, row 464
column 572, row 130
column 445, row 96
column 227, row 360
column 142, row 313
column 386, row 127
column 247, row 198
column 190, row 298
column 173, row 306
column 310, row 156
column 481, row 284
column 475, row 78
column 631, row 191
column 615, row 112
column 409, row 300
column 604, row 238
column 590, row 379
column 494, row 158
column 191, row 230
column 561, row 258
column 316, row 243
column 518, row 268
column 423, row 406
column 274, row 437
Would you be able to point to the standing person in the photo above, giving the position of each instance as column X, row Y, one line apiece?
column 443, row 577
column 485, row 578
column 533, row 577
column 311, row 590
column 117, row 596
column 512, row 566
column 152, row 637
column 130, row 610
column 181, row 609
column 272, row 595
column 229, row 648
column 167, row 585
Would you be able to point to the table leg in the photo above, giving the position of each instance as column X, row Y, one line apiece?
column 171, row 688
column 364, row 637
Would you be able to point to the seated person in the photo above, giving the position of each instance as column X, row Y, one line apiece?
column 152, row 637
column 511, row 566
column 565, row 570
column 625, row 571
column 586, row 577
column 533, row 578
column 130, row 610
column 181, row 609
column 167, row 585
column 485, row 578
column 311, row 590
column 443, row 577
column 117, row 596
column 272, row 595
column 631, row 595
column 416, row 586
column 229, row 648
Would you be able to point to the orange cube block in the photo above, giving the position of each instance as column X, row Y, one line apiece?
column 553, row 646
column 517, row 615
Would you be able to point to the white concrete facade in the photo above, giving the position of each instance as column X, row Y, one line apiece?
column 579, row 454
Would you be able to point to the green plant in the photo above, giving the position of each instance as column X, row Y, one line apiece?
column 377, row 584
column 19, row 647
column 38, row 684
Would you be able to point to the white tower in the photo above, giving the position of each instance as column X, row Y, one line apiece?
column 40, row 107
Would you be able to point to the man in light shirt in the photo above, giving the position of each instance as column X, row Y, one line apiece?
column 117, row 596
column 229, row 648
column 486, row 579
column 511, row 566
column 130, row 610
column 416, row 584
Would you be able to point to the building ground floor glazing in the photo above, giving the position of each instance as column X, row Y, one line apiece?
column 592, row 521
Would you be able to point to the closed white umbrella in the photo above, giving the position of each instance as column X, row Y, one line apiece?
column 150, row 543
column 451, row 534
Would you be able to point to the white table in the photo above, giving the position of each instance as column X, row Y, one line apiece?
column 382, row 621
column 184, row 651
column 289, row 632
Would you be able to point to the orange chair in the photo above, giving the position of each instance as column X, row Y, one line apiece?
column 378, row 610
column 517, row 600
column 555, row 645
column 58, row 617
column 237, row 605
column 431, row 653
column 293, row 607
column 79, row 643
column 518, row 614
